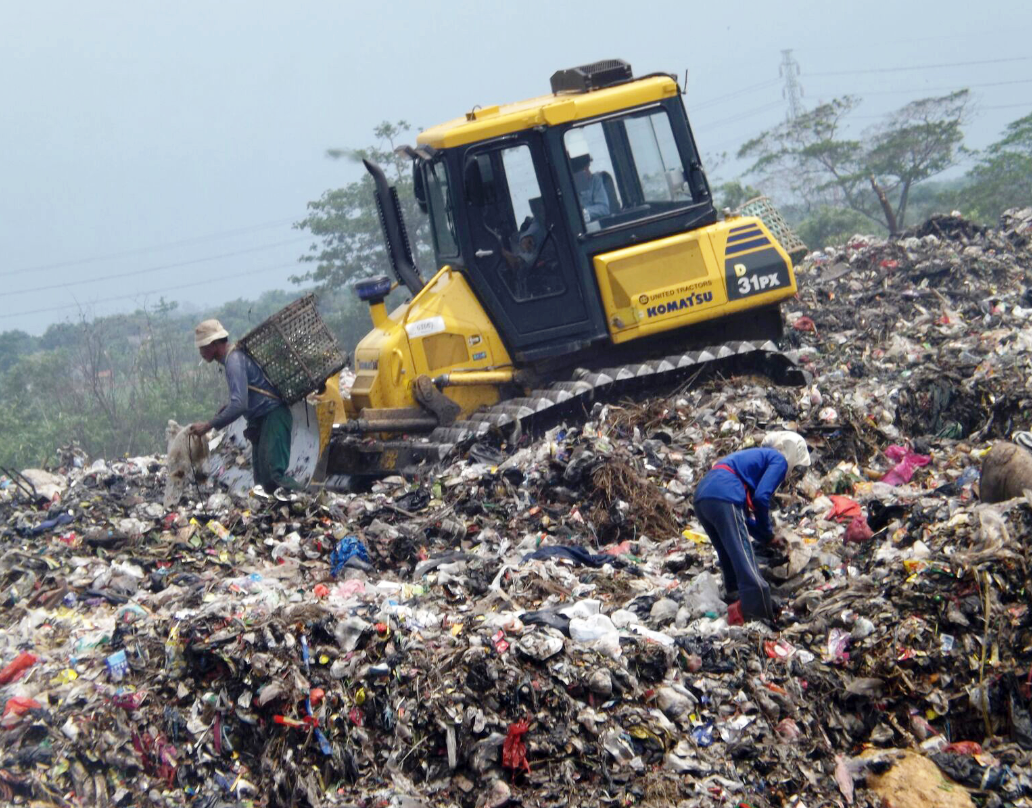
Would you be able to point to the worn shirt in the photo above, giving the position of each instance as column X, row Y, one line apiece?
column 759, row 470
column 593, row 196
column 243, row 372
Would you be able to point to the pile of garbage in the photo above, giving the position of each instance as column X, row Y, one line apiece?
column 541, row 622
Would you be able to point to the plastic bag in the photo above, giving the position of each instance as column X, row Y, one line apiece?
column 907, row 462
column 514, row 750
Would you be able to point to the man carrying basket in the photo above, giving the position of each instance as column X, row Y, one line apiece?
column 251, row 395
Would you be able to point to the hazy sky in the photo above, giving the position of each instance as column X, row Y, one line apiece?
column 173, row 144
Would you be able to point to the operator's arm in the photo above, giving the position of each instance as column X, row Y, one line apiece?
column 236, row 378
column 773, row 476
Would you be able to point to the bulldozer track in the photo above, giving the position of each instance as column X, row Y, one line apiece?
column 579, row 391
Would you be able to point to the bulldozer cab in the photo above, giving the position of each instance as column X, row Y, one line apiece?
column 522, row 197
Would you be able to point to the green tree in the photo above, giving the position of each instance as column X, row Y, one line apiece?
column 733, row 194
column 1002, row 178
column 58, row 335
column 919, row 141
column 809, row 156
column 14, row 345
column 873, row 177
column 829, row 225
column 346, row 222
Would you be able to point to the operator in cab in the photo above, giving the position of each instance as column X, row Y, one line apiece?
column 532, row 261
column 732, row 502
column 252, row 396
column 591, row 188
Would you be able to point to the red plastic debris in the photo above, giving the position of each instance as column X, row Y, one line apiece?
column 17, row 666
column 843, row 508
column 157, row 755
column 963, row 748
column 514, row 750
column 129, row 701
column 734, row 614
column 889, row 263
column 321, row 590
column 805, row 323
column 356, row 716
column 858, row 531
column 906, row 462
column 299, row 723
column 316, row 696
column 19, row 705
column 778, row 649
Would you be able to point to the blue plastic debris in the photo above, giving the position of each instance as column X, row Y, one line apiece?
column 349, row 547
column 703, row 735
column 117, row 666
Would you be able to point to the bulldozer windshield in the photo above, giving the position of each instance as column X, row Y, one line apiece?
column 627, row 168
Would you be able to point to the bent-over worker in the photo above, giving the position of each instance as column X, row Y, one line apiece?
column 732, row 501
column 251, row 395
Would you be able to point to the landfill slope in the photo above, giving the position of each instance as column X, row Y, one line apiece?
column 540, row 624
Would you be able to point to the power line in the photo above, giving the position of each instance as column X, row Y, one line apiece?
column 735, row 94
column 864, row 93
column 749, row 113
column 919, row 67
column 1026, row 105
column 176, row 288
column 138, row 250
column 967, row 35
column 133, row 273
column 742, row 115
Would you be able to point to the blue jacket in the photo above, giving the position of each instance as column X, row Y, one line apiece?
column 243, row 374
column 760, row 470
column 593, row 196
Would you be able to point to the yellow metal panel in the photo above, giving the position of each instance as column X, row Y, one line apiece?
column 444, row 350
column 442, row 330
column 559, row 112
column 378, row 357
column 495, row 121
column 331, row 396
column 680, row 280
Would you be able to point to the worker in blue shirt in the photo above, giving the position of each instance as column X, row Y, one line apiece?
column 250, row 395
column 591, row 188
column 732, row 502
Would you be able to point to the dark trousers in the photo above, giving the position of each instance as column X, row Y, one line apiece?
column 270, row 452
column 724, row 523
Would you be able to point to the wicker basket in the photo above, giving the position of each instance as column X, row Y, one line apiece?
column 295, row 349
column 764, row 209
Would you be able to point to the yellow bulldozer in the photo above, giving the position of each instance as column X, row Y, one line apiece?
column 578, row 253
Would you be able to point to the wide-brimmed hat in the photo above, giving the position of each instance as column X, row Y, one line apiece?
column 207, row 332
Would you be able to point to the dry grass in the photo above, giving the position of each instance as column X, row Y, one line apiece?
column 650, row 513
